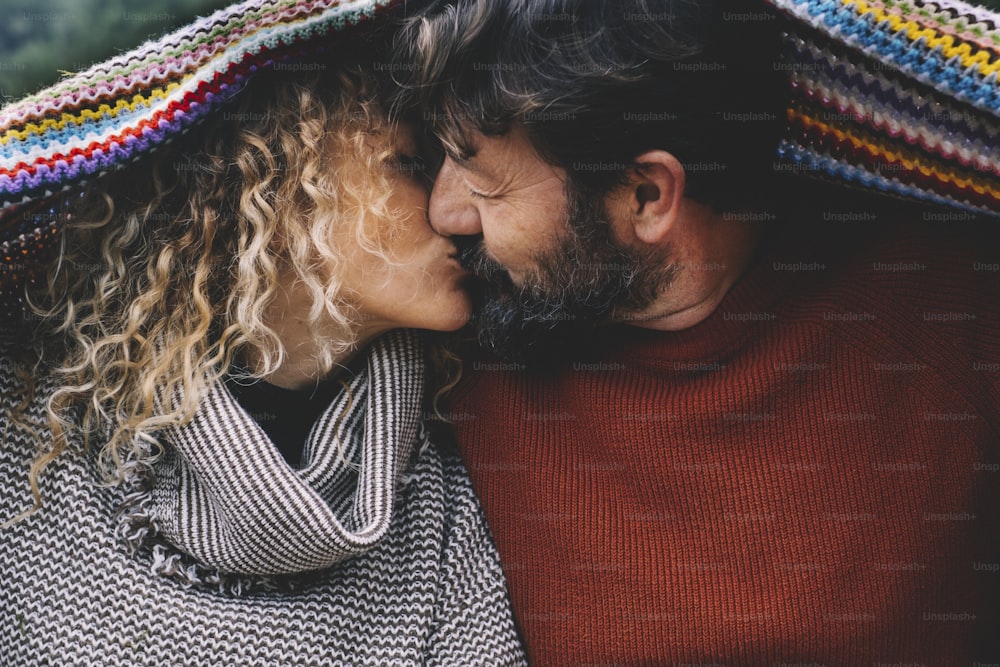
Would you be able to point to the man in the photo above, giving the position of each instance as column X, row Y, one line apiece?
column 759, row 438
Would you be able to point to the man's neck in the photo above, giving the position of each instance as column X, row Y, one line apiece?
column 724, row 249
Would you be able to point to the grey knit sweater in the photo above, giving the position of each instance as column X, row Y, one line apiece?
column 374, row 552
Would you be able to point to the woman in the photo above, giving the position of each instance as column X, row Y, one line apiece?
column 215, row 438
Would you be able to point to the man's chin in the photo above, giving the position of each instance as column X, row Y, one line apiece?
column 522, row 330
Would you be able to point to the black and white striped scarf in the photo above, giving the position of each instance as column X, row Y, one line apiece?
column 221, row 506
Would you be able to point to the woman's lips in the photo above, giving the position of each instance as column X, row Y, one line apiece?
column 454, row 261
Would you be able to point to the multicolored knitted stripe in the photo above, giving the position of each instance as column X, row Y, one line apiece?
column 899, row 96
column 114, row 112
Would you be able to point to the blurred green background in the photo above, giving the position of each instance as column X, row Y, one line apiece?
column 40, row 39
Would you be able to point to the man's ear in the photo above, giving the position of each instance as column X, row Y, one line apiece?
column 653, row 195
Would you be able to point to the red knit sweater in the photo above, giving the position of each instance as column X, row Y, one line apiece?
column 808, row 477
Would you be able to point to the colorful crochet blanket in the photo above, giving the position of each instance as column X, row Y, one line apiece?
column 899, row 96
column 116, row 111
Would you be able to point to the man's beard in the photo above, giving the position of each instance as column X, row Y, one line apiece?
column 588, row 280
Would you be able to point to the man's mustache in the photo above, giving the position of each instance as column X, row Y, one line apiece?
column 472, row 255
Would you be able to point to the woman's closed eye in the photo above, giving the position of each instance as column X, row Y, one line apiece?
column 412, row 165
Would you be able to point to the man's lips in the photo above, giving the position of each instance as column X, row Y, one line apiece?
column 473, row 257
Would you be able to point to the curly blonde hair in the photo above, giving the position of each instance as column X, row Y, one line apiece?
column 167, row 267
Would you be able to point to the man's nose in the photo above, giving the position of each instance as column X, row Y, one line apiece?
column 451, row 210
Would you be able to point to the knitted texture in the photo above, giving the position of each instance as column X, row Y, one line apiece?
column 207, row 496
column 807, row 477
column 112, row 113
column 899, row 96
column 216, row 561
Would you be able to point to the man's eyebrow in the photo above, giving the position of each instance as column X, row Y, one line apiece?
column 463, row 156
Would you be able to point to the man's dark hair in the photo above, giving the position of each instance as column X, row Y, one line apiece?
column 596, row 84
